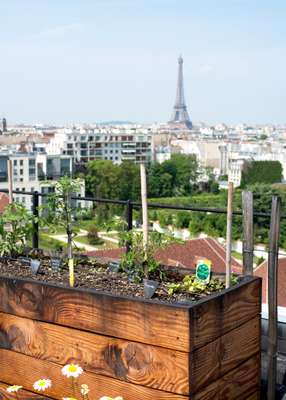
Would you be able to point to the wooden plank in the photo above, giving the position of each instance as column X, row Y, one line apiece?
column 239, row 383
column 21, row 395
column 254, row 396
column 134, row 362
column 214, row 360
column 137, row 320
column 28, row 370
column 217, row 315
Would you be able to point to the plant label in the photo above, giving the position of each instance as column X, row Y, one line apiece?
column 55, row 263
column 25, row 260
column 113, row 266
column 150, row 288
column 203, row 270
column 35, row 265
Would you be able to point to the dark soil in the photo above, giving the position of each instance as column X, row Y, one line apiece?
column 90, row 274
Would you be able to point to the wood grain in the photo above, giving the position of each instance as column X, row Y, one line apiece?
column 134, row 362
column 142, row 321
column 22, row 394
column 214, row 360
column 254, row 396
column 213, row 317
column 28, row 369
column 239, row 383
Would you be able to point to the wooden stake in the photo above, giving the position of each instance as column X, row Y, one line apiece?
column 272, row 295
column 228, row 235
column 144, row 212
column 69, row 234
column 247, row 212
column 10, row 180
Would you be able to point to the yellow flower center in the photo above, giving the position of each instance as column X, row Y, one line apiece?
column 72, row 368
column 41, row 383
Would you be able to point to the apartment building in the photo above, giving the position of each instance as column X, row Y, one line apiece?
column 104, row 143
column 34, row 172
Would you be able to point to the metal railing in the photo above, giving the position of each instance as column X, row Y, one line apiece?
column 129, row 204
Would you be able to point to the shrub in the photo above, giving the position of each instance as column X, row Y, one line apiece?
column 93, row 237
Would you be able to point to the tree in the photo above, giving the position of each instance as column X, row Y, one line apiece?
column 182, row 219
column 261, row 172
column 61, row 210
column 186, row 172
column 129, row 181
column 102, row 179
column 214, row 187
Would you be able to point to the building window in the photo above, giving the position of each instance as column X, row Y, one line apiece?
column 15, row 162
column 21, row 162
column 65, row 166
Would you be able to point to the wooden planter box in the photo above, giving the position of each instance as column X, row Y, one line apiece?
column 138, row 349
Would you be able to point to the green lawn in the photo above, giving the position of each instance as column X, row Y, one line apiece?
column 48, row 243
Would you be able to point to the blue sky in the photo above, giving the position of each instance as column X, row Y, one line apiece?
column 66, row 61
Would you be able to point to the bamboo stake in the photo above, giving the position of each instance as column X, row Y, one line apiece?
column 272, row 295
column 228, row 235
column 144, row 213
column 10, row 180
column 69, row 232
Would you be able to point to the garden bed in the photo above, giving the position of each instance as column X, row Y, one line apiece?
column 92, row 275
column 136, row 348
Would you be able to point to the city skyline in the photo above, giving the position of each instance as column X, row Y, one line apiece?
column 117, row 60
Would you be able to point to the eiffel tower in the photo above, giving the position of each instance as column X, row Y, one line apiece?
column 180, row 117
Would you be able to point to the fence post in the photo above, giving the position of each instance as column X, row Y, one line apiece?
column 272, row 295
column 247, row 217
column 129, row 219
column 228, row 235
column 35, row 209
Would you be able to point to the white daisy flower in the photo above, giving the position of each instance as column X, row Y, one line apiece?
column 111, row 398
column 14, row 388
column 72, row 370
column 84, row 389
column 69, row 398
column 42, row 384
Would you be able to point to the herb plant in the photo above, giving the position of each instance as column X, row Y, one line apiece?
column 16, row 227
column 134, row 261
column 190, row 284
column 60, row 212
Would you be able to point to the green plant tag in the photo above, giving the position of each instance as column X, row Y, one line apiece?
column 203, row 270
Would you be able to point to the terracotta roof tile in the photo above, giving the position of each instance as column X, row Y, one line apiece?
column 4, row 201
column 262, row 272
